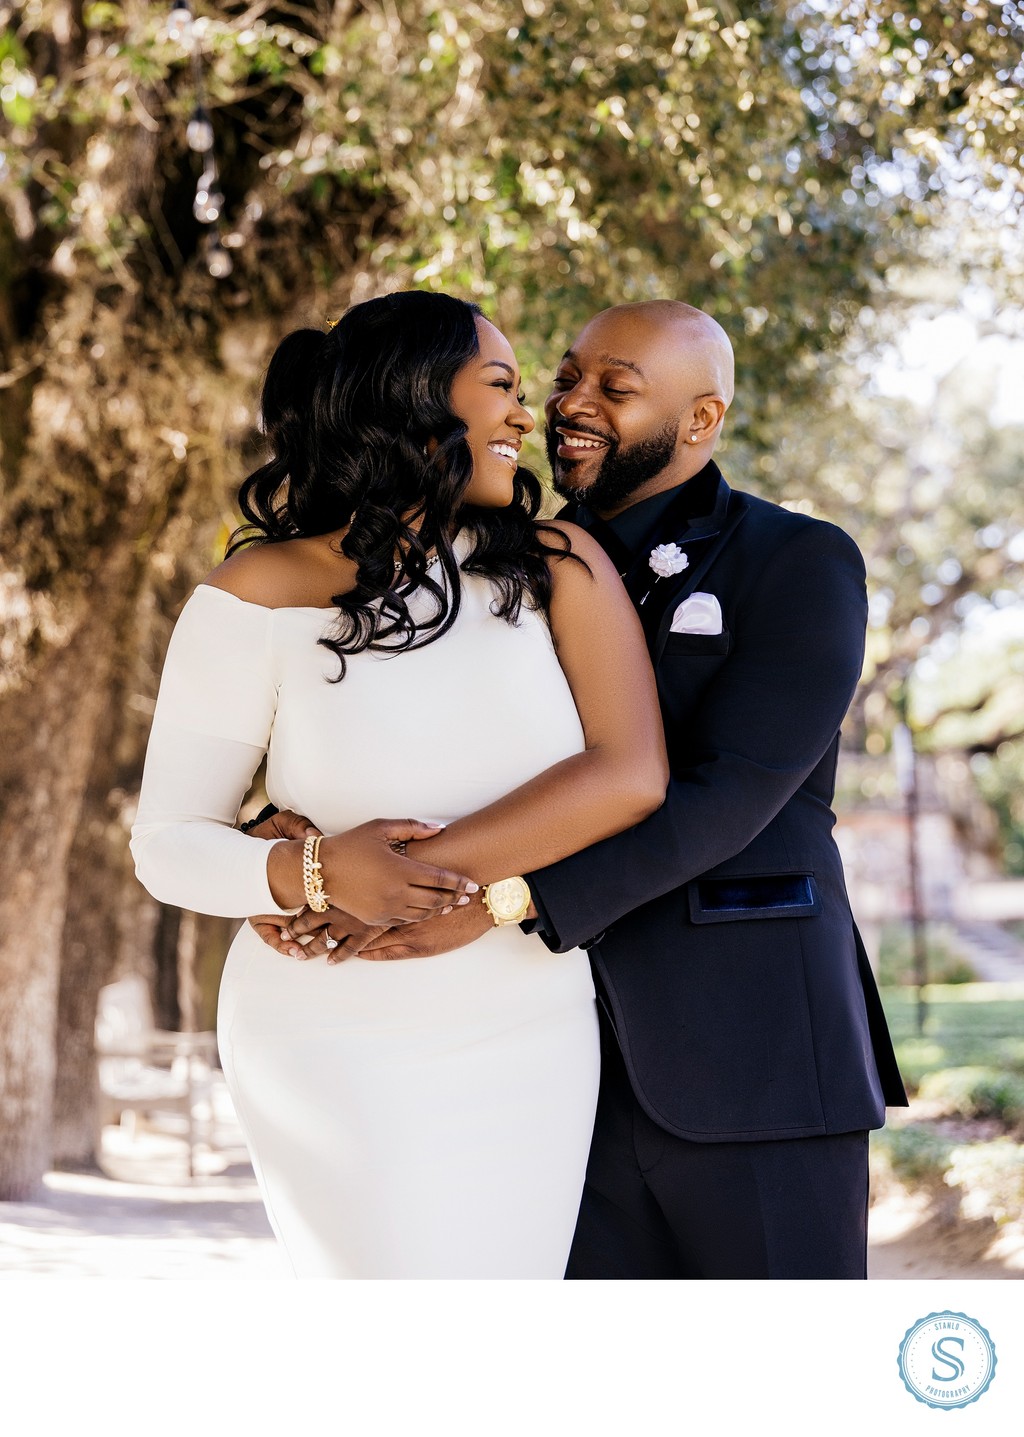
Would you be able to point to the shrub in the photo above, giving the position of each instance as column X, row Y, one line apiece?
column 975, row 1092
column 913, row 1152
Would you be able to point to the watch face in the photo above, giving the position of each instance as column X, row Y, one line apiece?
column 508, row 896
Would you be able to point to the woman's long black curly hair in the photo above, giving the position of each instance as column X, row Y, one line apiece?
column 348, row 414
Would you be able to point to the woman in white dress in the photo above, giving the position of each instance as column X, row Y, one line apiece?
column 404, row 637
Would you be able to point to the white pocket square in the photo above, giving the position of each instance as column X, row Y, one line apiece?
column 698, row 614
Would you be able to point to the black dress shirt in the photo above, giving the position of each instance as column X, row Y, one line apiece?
column 636, row 528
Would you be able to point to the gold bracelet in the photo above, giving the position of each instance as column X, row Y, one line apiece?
column 312, row 881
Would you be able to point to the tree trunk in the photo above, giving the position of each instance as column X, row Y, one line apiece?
column 87, row 959
column 108, row 929
column 166, row 1013
column 49, row 725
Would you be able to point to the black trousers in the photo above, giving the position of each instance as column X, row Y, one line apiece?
column 658, row 1206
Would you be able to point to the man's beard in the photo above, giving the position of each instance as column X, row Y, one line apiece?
column 622, row 471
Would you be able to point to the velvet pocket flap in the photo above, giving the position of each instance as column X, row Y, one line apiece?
column 772, row 895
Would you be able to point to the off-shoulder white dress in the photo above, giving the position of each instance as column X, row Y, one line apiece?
column 424, row 1118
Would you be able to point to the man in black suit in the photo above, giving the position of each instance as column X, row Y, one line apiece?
column 745, row 1054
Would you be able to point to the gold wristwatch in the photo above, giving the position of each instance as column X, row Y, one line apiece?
column 507, row 901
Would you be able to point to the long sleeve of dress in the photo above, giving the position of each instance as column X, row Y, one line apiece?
column 211, row 728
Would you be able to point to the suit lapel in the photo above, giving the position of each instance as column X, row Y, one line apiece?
column 702, row 540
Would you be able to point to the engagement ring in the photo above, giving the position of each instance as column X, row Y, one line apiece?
column 331, row 942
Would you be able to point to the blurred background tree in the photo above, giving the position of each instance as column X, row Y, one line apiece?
column 785, row 166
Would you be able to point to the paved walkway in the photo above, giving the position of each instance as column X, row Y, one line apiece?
column 994, row 954
column 143, row 1219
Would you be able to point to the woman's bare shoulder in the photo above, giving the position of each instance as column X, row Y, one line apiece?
column 295, row 573
column 596, row 563
column 565, row 526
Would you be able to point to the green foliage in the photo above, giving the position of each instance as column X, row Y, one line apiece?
column 787, row 167
column 975, row 1093
column 1000, row 779
column 913, row 1152
column 769, row 161
column 933, row 496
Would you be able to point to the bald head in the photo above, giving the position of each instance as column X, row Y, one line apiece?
column 701, row 345
column 638, row 403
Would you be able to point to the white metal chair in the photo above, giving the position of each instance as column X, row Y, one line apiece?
column 143, row 1070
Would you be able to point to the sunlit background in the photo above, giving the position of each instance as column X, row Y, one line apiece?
column 839, row 184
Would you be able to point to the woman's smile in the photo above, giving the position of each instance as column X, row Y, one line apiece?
column 507, row 450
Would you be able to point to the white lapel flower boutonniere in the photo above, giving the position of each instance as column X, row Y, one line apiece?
column 666, row 560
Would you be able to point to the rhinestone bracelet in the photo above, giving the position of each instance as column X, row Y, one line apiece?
column 312, row 881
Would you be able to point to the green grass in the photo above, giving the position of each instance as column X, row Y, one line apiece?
column 968, row 1025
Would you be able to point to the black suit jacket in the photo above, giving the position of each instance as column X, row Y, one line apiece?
column 719, row 928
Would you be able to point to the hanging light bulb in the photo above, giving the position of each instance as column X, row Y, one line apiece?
column 179, row 23
column 207, row 206
column 218, row 261
column 209, row 201
column 199, row 131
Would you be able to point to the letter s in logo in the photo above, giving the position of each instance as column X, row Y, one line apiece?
column 941, row 1355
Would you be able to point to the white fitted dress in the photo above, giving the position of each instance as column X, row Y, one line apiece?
column 426, row 1118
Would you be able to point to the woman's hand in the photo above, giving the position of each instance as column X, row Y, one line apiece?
column 273, row 929
column 284, row 824
column 335, row 933
column 311, row 935
column 365, row 873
